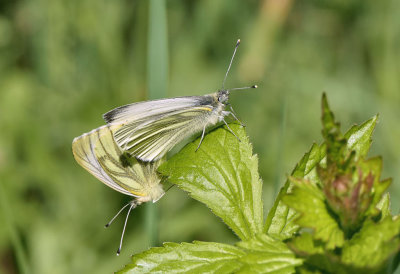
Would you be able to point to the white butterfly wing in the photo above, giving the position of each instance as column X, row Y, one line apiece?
column 151, row 109
column 149, row 141
column 150, row 129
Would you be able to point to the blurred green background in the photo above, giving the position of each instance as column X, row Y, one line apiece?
column 65, row 63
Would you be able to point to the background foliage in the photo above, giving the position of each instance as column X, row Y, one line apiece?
column 64, row 63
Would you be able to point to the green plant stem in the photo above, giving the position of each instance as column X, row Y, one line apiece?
column 157, row 75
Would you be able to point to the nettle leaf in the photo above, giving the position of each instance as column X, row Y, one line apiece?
column 374, row 245
column 308, row 200
column 335, row 142
column 223, row 174
column 196, row 257
column 304, row 245
column 373, row 166
column 384, row 205
column 267, row 255
column 280, row 219
column 315, row 255
column 359, row 137
column 262, row 254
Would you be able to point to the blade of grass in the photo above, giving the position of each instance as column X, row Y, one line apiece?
column 281, row 145
column 157, row 74
column 14, row 236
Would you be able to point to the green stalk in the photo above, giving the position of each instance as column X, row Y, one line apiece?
column 157, row 77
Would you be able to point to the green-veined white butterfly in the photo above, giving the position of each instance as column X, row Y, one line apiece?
column 97, row 152
column 152, row 128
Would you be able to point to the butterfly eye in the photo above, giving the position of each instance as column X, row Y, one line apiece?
column 223, row 97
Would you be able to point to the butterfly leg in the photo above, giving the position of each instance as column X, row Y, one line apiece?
column 230, row 129
column 202, row 137
column 232, row 112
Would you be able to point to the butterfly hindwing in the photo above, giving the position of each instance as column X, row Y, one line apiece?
column 109, row 155
column 99, row 154
column 83, row 149
column 138, row 178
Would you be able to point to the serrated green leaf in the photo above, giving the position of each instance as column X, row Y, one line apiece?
column 359, row 137
column 223, row 174
column 267, row 255
column 308, row 200
column 196, row 257
column 374, row 245
column 280, row 219
column 335, row 142
column 316, row 258
column 384, row 206
column 262, row 254
column 373, row 166
column 304, row 245
column 330, row 126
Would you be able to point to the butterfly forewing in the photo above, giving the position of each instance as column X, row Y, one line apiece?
column 149, row 138
column 151, row 109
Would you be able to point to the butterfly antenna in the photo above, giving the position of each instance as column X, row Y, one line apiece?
column 253, row 86
column 116, row 215
column 230, row 64
column 133, row 205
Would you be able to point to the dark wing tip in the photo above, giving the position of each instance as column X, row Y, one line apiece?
column 112, row 115
column 109, row 116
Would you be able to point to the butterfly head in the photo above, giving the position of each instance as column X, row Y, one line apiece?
column 223, row 96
